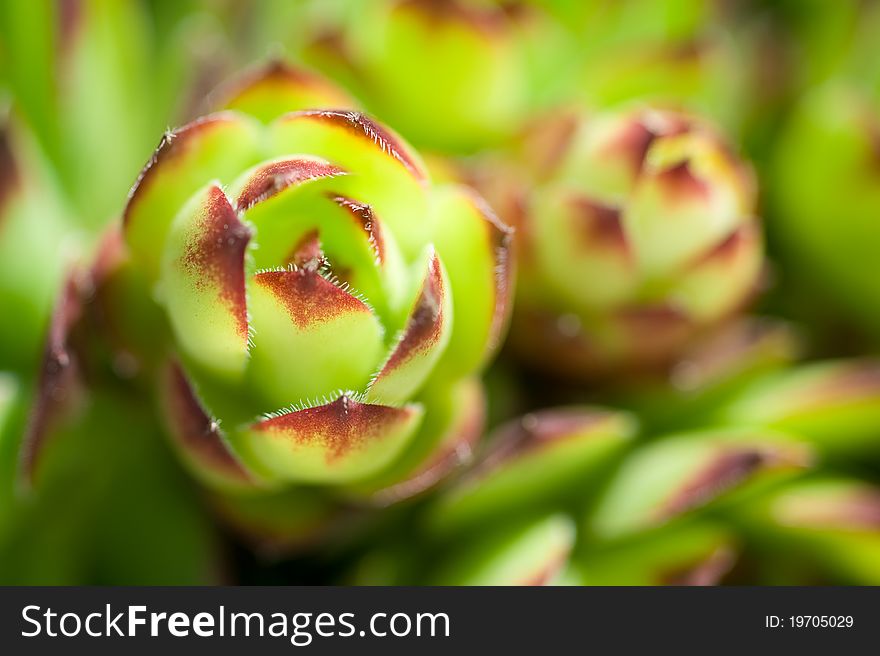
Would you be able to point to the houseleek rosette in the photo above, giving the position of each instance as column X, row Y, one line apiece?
column 325, row 305
column 640, row 234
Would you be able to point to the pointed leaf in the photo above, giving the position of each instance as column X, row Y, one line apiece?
column 582, row 248
column 422, row 341
column 269, row 179
column 219, row 147
column 682, row 474
column 533, row 461
column 277, row 88
column 385, row 172
column 342, row 441
column 202, row 283
column 724, row 277
column 477, row 251
column 198, row 436
column 311, row 337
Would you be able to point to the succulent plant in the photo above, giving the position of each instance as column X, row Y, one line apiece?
column 640, row 233
column 660, row 512
column 318, row 308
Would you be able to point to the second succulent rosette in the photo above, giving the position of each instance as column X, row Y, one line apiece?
column 638, row 232
column 324, row 305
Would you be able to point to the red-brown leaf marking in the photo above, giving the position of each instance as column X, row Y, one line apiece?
column 339, row 427
column 70, row 20
column 729, row 248
column 681, row 185
column 363, row 215
column 196, row 432
column 308, row 297
column 425, row 324
column 501, row 242
column 307, row 253
column 707, row 571
column 173, row 146
column 599, row 224
column 270, row 179
column 9, row 174
column 858, row 509
column 488, row 19
column 548, row 571
column 535, row 432
column 360, row 125
column 632, row 145
column 725, row 471
column 640, row 132
column 59, row 378
column 853, row 381
column 215, row 256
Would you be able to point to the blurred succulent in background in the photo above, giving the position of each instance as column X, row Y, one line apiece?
column 319, row 308
column 450, row 75
column 638, row 234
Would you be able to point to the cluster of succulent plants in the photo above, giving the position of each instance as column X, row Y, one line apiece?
column 454, row 292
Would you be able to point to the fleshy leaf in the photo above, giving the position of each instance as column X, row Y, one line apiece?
column 312, row 337
column 422, row 341
column 690, row 195
column 269, row 179
column 476, row 248
column 342, row 441
column 685, row 473
column 203, row 283
column 198, row 436
column 59, row 382
column 445, row 442
column 530, row 554
column 218, row 146
column 277, row 88
column 582, row 248
column 833, row 405
column 385, row 171
column 721, row 278
column 533, row 461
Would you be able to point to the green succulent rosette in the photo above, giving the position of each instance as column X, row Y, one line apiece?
column 320, row 306
column 639, row 234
